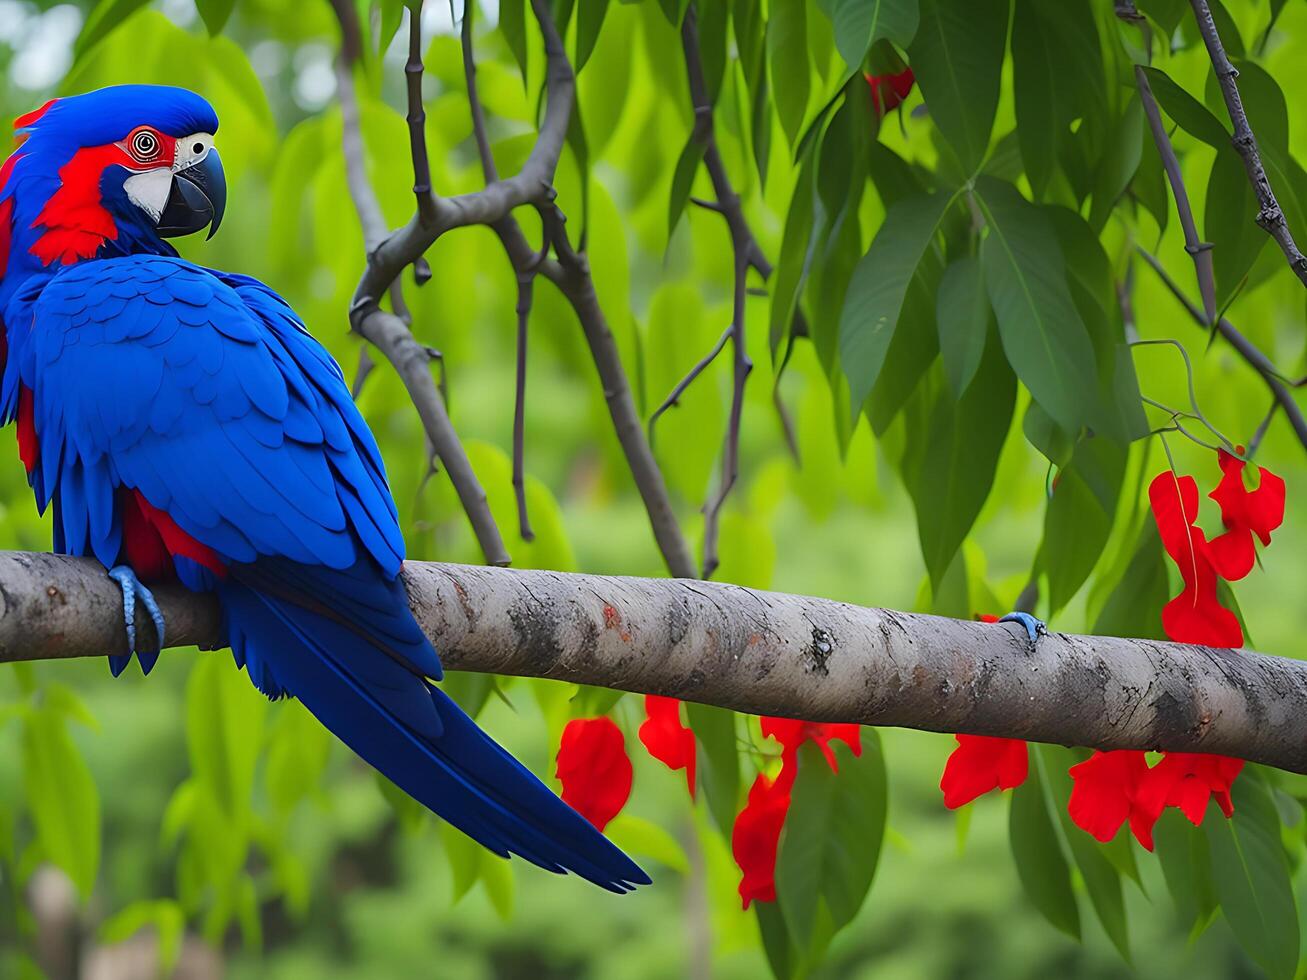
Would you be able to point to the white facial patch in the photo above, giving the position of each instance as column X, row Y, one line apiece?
column 191, row 150
column 149, row 191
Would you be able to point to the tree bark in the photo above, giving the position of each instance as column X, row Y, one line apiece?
column 759, row 652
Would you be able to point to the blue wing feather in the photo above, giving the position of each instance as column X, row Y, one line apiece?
column 204, row 392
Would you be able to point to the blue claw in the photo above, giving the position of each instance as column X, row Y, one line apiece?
column 1035, row 628
column 133, row 590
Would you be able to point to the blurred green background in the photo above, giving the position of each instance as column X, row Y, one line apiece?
column 303, row 868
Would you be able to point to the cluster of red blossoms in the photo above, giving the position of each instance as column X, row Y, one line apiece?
column 595, row 772
column 1113, row 788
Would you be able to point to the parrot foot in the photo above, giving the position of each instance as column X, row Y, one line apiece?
column 1035, row 628
column 133, row 590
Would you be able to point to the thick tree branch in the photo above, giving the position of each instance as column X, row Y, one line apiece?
column 389, row 332
column 760, row 652
column 1269, row 214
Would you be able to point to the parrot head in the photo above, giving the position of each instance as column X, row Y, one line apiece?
column 112, row 172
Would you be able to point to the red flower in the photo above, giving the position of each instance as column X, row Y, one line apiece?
column 792, row 733
column 889, row 91
column 667, row 740
column 1106, row 793
column 1187, row 780
column 1244, row 514
column 594, row 769
column 1195, row 615
column 981, row 763
column 756, row 836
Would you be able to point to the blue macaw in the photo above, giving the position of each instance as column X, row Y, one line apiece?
column 183, row 423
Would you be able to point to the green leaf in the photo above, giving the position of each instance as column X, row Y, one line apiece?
column 512, row 22
column 687, row 165
column 957, row 58
column 62, row 798
column 1125, row 148
column 1134, row 607
column 879, row 286
column 1043, row 334
column 464, row 856
column 1166, row 14
column 1185, row 857
column 1189, row 114
column 782, row 956
column 392, row 17
column 215, row 14
column 590, row 16
column 1075, row 531
column 962, row 314
column 1251, row 875
column 952, row 456
column 1040, row 860
column 718, row 764
column 713, row 22
column 673, row 10
column 787, row 62
column 103, row 18
column 1228, row 224
column 792, row 264
column 636, row 835
column 1057, row 76
column 832, row 838
column 297, row 756
column 1101, row 877
column 497, row 880
column 224, row 730
column 858, row 24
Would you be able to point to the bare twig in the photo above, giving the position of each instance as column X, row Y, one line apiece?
column 417, row 119
column 685, row 382
column 1199, row 250
column 524, row 293
column 388, row 331
column 570, row 272
column 1245, row 347
column 759, row 652
column 1260, row 434
column 1270, row 217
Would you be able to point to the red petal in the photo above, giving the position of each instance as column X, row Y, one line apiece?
column 666, row 739
column 594, row 769
column 1104, row 794
column 792, row 733
column 1244, row 514
column 756, row 836
column 980, row 764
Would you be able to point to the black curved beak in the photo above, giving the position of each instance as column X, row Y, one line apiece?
column 197, row 200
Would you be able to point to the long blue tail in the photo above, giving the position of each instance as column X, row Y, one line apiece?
column 346, row 645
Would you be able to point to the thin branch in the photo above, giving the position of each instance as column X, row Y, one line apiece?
column 524, row 294
column 1199, row 250
column 1255, row 442
column 1245, row 347
column 570, row 272
column 759, row 652
column 685, row 382
column 417, row 118
column 389, row 332
column 1270, row 217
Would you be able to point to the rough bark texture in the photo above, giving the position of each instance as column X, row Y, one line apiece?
column 763, row 653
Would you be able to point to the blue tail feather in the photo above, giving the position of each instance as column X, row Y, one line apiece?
column 381, row 705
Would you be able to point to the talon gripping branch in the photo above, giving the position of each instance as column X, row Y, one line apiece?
column 182, row 422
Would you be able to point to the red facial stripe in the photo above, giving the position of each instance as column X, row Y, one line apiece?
column 29, row 449
column 77, row 221
column 30, row 119
column 176, row 541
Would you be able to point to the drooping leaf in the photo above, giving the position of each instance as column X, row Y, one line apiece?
column 1189, row 114
column 858, row 24
column 962, row 312
column 1251, row 876
column 590, row 16
column 215, row 13
column 1038, row 852
column 687, row 165
column 1228, row 223
column 719, row 760
column 1185, row 857
column 957, row 57
column 832, row 837
column 787, row 62
column 1118, row 164
column 1134, row 607
column 953, row 451
column 1043, row 335
column 879, row 287
column 103, row 18
column 512, row 23
column 62, row 798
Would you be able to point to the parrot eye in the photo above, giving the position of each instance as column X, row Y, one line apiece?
column 144, row 145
